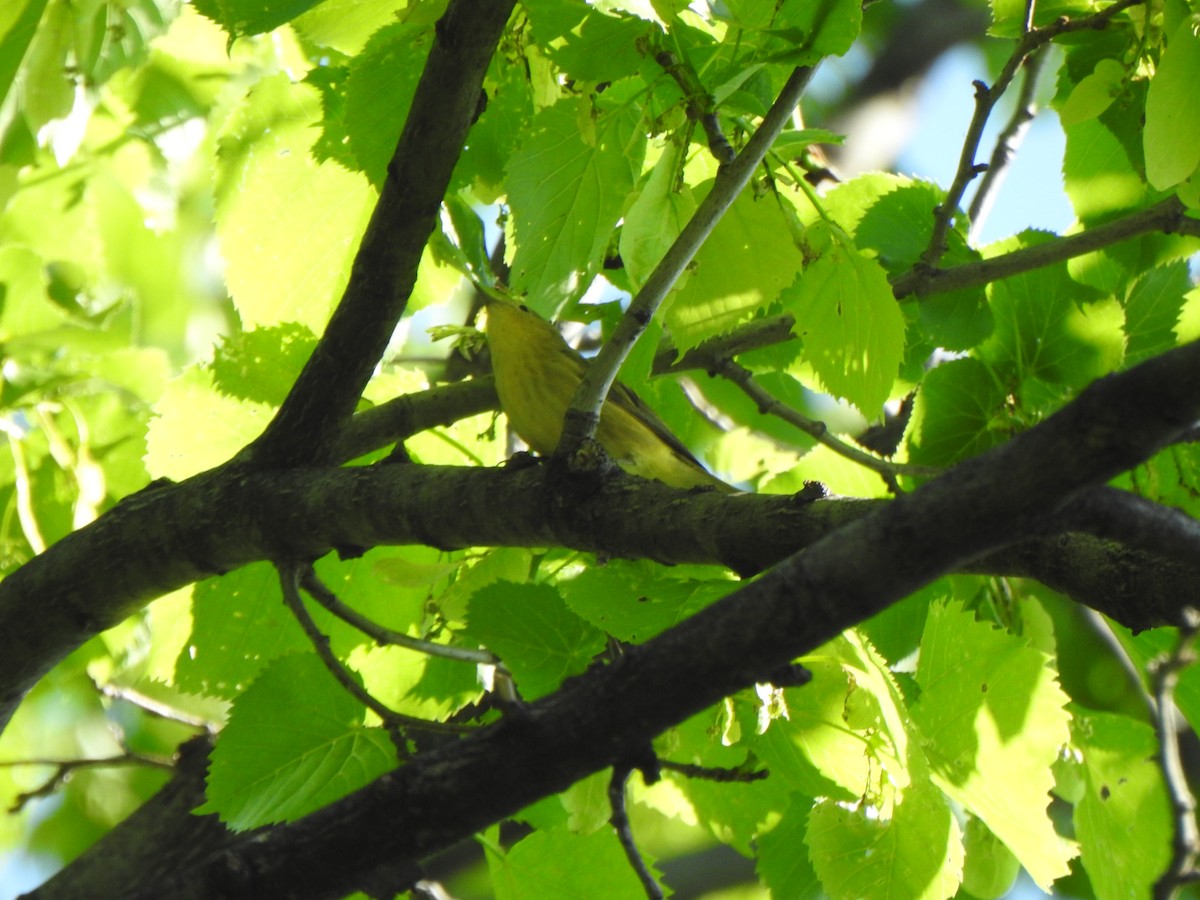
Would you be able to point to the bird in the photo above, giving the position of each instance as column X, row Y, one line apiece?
column 537, row 373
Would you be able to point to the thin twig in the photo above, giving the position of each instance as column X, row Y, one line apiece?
column 584, row 414
column 328, row 599
column 1007, row 143
column 768, row 404
column 620, row 822
column 64, row 768
column 394, row 722
column 985, row 101
column 713, row 773
column 154, row 707
column 1186, row 843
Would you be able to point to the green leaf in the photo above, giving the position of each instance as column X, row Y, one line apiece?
column 529, row 627
column 633, row 605
column 915, row 852
column 990, row 869
column 810, row 30
column 1152, row 643
column 728, row 283
column 1098, row 174
column 1051, row 328
column 657, row 215
column 994, row 720
column 602, row 47
column 846, row 732
column 1123, row 822
column 851, row 325
column 245, row 17
column 782, row 858
column 239, row 625
column 1172, row 137
column 276, row 271
column 562, row 864
column 48, row 91
column 567, row 184
column 495, row 133
column 196, row 427
column 379, row 92
column 261, row 365
column 1008, row 16
column 294, row 742
column 1094, row 94
column 25, row 306
column 346, row 25
column 18, row 30
column 1152, row 311
column 959, row 413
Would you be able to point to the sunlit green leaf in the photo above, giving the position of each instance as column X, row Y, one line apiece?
column 1122, row 821
column 851, row 325
column 294, row 743
column 529, row 627
column 269, row 182
column 1173, row 110
column 567, row 184
column 990, row 704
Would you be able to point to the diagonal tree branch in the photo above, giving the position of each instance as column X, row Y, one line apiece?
column 584, row 414
column 384, row 271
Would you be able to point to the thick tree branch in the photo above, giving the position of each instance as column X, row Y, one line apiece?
column 385, row 269
column 166, row 537
column 604, row 716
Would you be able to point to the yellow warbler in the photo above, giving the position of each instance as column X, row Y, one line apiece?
column 537, row 374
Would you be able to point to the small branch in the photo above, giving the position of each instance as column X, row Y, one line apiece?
column 410, row 414
column 620, row 822
column 711, row 773
column 1169, row 216
column 768, row 404
column 328, row 599
column 1165, row 671
column 385, row 268
column 700, row 105
column 584, row 414
column 64, row 768
column 708, row 355
column 1007, row 142
column 394, row 722
column 985, row 101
